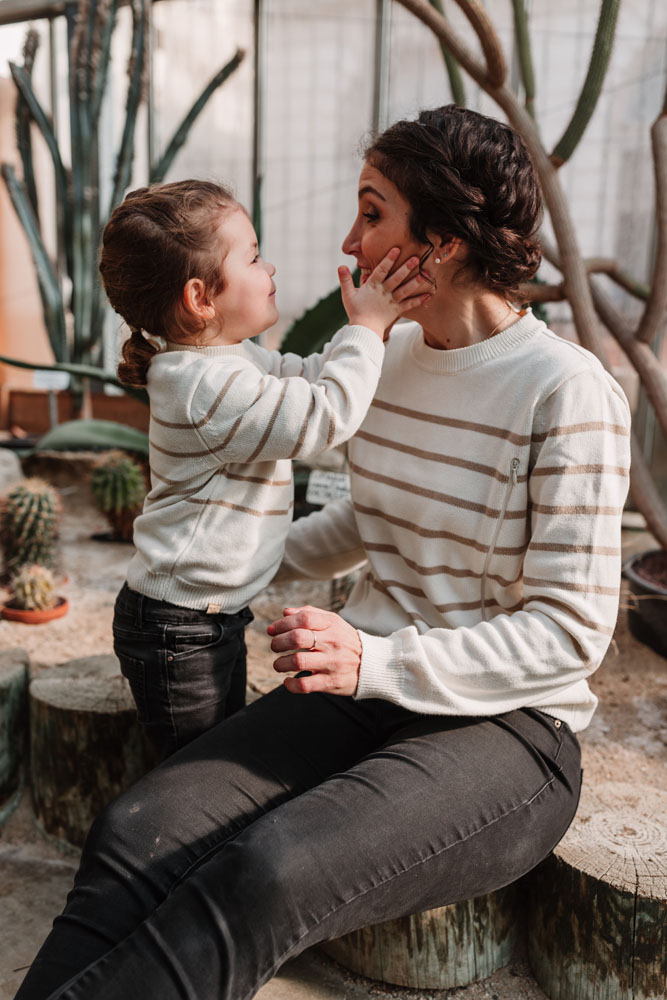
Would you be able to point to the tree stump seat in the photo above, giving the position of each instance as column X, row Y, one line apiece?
column 86, row 745
column 440, row 949
column 598, row 906
column 13, row 727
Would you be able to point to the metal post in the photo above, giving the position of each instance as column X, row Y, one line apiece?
column 381, row 67
column 258, row 114
column 150, row 109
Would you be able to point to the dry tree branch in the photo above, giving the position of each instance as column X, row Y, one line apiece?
column 494, row 70
column 656, row 307
column 608, row 266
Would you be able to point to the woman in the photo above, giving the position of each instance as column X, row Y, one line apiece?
column 434, row 757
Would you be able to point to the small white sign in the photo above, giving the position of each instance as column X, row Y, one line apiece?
column 326, row 486
column 43, row 379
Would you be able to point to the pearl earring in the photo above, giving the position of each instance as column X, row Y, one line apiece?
column 439, row 259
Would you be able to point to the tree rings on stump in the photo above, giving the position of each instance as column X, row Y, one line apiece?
column 437, row 949
column 86, row 744
column 13, row 726
column 598, row 923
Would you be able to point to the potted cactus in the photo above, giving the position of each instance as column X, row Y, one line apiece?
column 118, row 486
column 29, row 525
column 34, row 600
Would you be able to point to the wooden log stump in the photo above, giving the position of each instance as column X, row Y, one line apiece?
column 13, row 727
column 86, row 745
column 438, row 949
column 598, row 905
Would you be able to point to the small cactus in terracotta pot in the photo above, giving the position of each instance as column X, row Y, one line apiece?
column 29, row 525
column 118, row 486
column 34, row 599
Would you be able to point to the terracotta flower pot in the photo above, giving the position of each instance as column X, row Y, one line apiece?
column 647, row 617
column 36, row 617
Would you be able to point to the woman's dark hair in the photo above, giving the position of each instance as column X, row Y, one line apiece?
column 153, row 243
column 467, row 176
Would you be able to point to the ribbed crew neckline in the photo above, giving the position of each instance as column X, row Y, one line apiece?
column 215, row 350
column 449, row 362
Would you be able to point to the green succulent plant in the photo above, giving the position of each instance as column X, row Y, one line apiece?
column 29, row 525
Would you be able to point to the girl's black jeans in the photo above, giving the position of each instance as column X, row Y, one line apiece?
column 186, row 668
column 295, row 820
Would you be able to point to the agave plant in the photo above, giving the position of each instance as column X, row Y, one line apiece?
column 82, row 212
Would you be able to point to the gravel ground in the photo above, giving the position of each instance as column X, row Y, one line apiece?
column 627, row 741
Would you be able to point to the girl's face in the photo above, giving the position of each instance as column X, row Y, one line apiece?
column 382, row 222
column 246, row 306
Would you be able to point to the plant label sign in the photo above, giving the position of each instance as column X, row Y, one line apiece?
column 323, row 486
column 50, row 379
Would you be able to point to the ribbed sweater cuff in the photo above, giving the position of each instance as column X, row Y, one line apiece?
column 370, row 344
column 381, row 672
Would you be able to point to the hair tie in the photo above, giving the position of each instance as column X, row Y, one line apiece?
column 136, row 329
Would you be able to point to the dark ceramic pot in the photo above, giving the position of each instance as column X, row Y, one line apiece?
column 647, row 616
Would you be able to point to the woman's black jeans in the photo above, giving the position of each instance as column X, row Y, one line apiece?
column 296, row 820
column 186, row 668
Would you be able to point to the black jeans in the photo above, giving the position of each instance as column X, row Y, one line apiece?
column 296, row 820
column 186, row 668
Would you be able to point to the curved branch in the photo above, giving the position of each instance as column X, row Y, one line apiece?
column 645, row 494
column 532, row 292
column 522, row 37
column 494, row 70
column 608, row 266
column 654, row 313
column 590, row 92
column 451, row 65
column 649, row 369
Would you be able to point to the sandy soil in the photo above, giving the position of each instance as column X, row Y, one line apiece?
column 627, row 741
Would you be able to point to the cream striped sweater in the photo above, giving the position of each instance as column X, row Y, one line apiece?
column 225, row 422
column 487, row 490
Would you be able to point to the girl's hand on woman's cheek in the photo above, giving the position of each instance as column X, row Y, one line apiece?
column 319, row 642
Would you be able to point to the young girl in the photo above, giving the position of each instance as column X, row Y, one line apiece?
column 180, row 262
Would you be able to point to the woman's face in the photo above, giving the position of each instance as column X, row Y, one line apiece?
column 382, row 222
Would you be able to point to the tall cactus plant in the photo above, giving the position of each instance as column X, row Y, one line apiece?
column 74, row 309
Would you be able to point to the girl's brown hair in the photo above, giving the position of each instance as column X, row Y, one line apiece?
column 153, row 243
column 471, row 177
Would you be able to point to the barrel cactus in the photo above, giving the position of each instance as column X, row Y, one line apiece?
column 118, row 487
column 34, row 588
column 29, row 525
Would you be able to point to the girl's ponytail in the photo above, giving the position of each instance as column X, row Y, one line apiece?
column 137, row 354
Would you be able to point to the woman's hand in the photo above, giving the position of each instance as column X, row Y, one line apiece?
column 320, row 642
column 383, row 296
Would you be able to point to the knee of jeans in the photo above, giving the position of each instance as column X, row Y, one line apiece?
column 122, row 839
column 271, row 867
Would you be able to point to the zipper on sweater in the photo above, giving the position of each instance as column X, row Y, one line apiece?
column 511, row 483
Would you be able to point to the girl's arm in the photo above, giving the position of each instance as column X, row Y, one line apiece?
column 257, row 417
column 364, row 306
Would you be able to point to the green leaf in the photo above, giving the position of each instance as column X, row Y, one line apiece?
column 453, row 70
column 135, row 89
column 317, row 326
column 159, row 170
column 81, row 371
column 54, row 315
column 87, row 435
column 41, row 119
